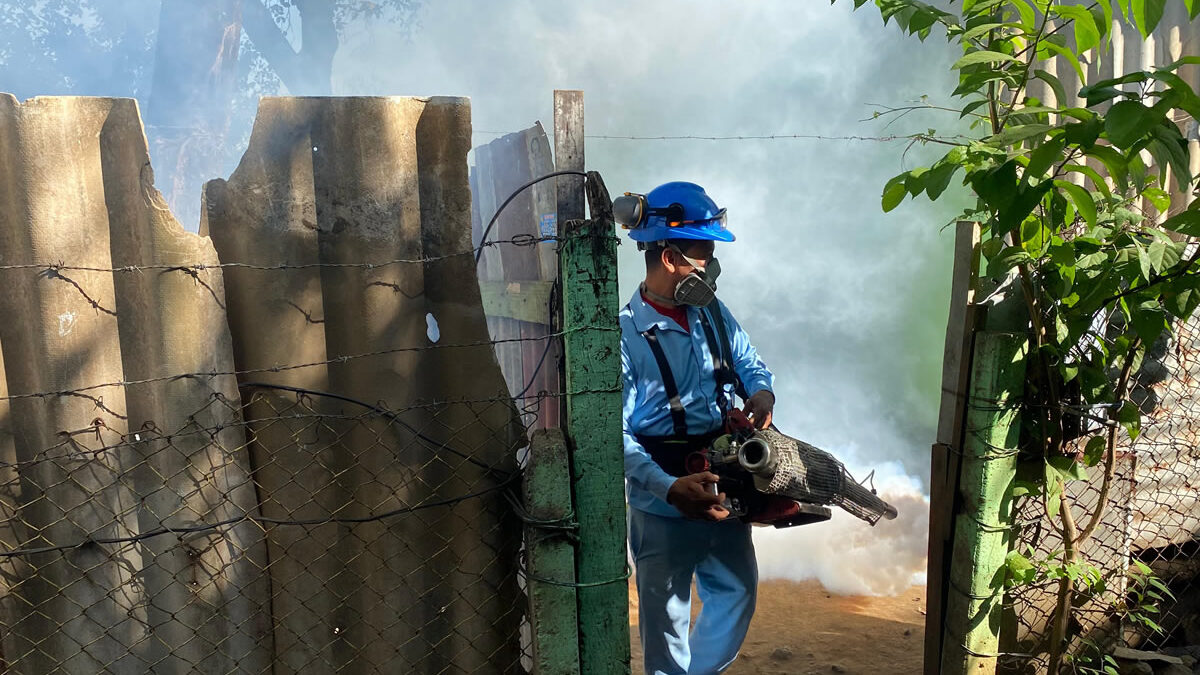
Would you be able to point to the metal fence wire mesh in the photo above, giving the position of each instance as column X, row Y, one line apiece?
column 1151, row 517
column 299, row 532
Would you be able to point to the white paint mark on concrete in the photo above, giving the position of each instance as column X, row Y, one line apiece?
column 431, row 328
column 66, row 321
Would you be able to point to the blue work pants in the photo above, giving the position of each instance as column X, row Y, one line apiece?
column 667, row 553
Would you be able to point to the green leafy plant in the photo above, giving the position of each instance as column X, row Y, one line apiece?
column 1101, row 277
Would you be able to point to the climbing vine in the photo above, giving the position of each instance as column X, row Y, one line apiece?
column 1102, row 277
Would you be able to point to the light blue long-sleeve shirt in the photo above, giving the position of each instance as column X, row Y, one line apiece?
column 646, row 409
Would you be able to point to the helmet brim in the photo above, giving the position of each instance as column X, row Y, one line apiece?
column 683, row 232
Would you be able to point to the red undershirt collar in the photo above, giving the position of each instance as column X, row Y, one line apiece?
column 678, row 313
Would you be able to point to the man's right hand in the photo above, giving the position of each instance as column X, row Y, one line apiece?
column 692, row 497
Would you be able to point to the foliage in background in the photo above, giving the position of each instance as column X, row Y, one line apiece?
column 1102, row 277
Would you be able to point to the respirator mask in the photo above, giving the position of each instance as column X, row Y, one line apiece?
column 699, row 287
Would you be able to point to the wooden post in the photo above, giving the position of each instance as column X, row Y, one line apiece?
column 943, row 477
column 553, row 612
column 593, row 374
column 568, row 156
column 982, row 534
column 568, row 153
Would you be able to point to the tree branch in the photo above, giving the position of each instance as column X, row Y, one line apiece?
column 272, row 43
column 1110, row 461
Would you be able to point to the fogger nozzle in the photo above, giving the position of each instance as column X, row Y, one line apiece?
column 756, row 456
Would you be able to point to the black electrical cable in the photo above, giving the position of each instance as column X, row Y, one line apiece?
column 545, row 349
column 487, row 230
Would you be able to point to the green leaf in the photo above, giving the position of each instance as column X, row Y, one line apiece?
column 1098, row 181
column 1171, row 149
column 1147, row 14
column 1084, row 133
column 1161, row 199
column 893, row 192
column 1143, row 259
column 938, row 178
column 972, row 107
column 1053, row 491
column 1156, row 253
column 1012, row 135
column 1128, row 121
column 1026, row 13
column 1081, row 198
column 1181, row 296
column 1105, row 89
column 983, row 56
column 1095, row 450
column 1007, row 259
column 1067, row 467
column 1020, row 570
column 1047, row 46
column 1131, row 418
column 1149, row 321
column 1034, row 237
column 1044, row 156
column 1185, row 222
column 1087, row 34
column 915, row 182
column 1137, row 171
column 984, row 28
column 1060, row 94
column 1183, row 61
column 1114, row 162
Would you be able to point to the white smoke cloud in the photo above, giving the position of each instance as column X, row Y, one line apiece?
column 848, row 556
column 846, row 304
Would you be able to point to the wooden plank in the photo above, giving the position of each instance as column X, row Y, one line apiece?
column 593, row 370
column 568, row 156
column 553, row 616
column 945, row 462
column 544, row 199
column 568, row 152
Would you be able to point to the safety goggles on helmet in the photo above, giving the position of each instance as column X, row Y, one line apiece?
column 632, row 211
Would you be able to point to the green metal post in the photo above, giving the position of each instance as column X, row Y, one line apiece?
column 554, row 617
column 982, row 531
column 593, row 378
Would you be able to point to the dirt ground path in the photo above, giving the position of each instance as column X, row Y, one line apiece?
column 800, row 629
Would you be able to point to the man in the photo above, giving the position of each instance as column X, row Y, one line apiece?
column 683, row 357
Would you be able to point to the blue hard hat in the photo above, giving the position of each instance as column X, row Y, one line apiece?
column 677, row 210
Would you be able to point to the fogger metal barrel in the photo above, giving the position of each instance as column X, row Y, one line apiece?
column 782, row 465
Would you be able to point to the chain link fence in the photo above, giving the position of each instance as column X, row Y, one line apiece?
column 1146, row 545
column 288, row 530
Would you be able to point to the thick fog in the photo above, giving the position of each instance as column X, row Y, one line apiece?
column 846, row 304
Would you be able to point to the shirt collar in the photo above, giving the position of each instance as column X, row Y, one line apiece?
column 646, row 317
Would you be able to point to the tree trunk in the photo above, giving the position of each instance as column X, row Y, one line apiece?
column 309, row 71
column 188, row 115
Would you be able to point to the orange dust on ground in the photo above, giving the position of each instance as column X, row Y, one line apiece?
column 801, row 629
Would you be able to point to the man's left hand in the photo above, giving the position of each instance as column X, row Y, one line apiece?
column 759, row 408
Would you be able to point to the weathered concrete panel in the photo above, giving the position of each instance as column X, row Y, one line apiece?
column 85, row 608
column 342, row 184
column 78, row 190
column 208, row 600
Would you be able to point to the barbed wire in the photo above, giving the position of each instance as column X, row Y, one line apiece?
column 81, row 391
column 749, row 137
column 261, row 521
column 54, row 269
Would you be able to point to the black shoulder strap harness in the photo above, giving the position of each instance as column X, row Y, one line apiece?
column 723, row 370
